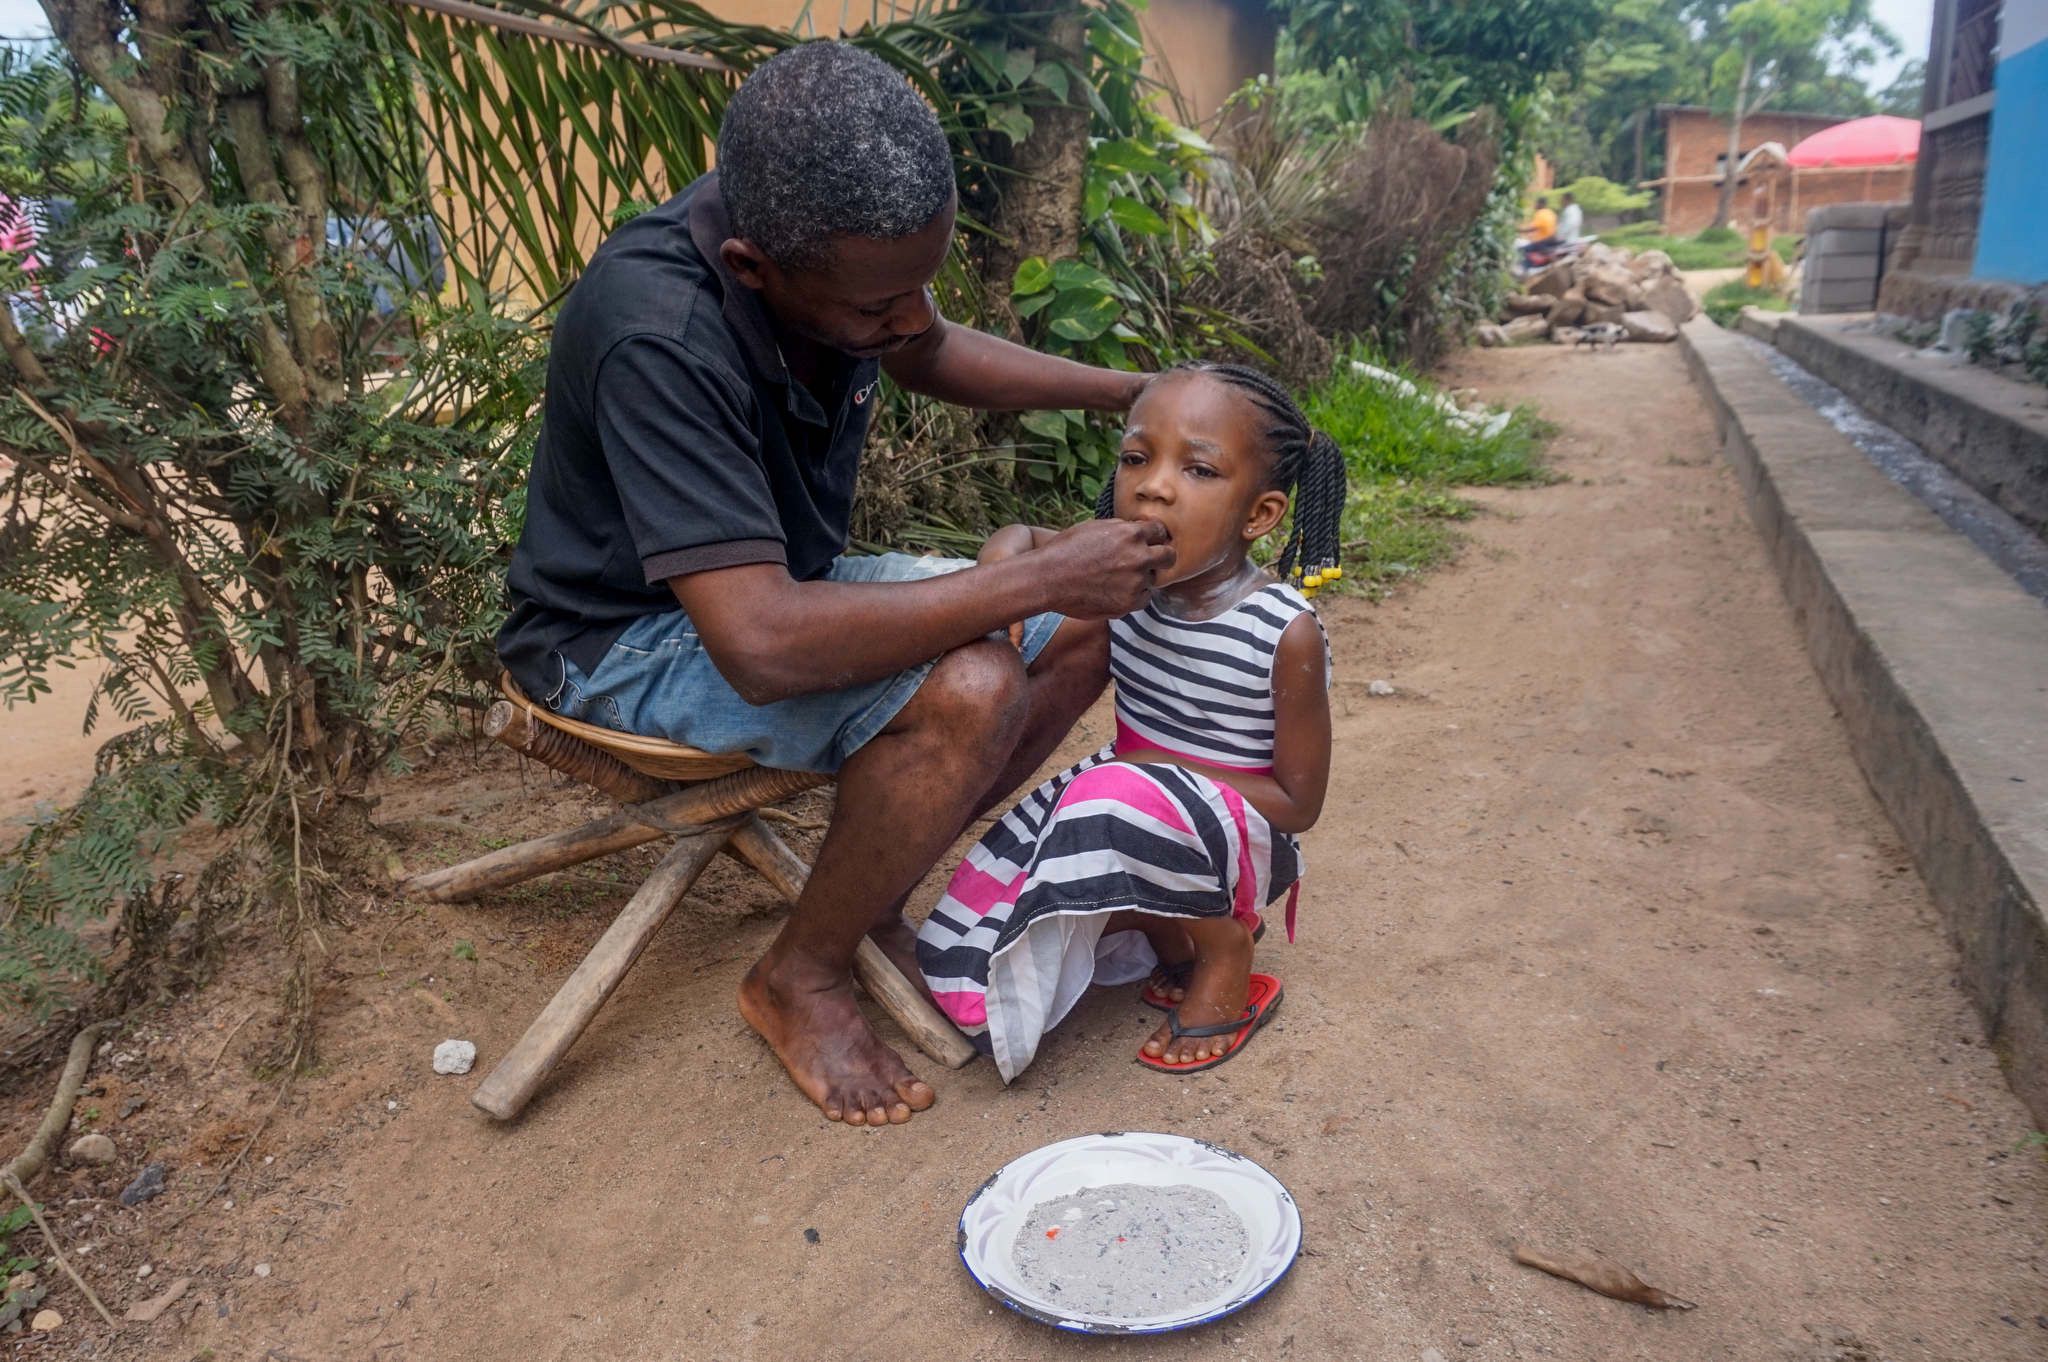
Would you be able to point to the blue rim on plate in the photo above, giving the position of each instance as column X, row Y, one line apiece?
column 997, row 1210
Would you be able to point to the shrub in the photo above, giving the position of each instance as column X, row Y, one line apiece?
column 1603, row 197
column 281, row 560
column 1402, row 201
column 1724, row 301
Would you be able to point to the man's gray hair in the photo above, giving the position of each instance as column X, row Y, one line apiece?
column 826, row 140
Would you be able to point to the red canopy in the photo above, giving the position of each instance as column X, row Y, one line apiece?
column 1880, row 140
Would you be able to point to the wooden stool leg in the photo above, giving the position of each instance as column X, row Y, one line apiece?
column 760, row 848
column 702, row 804
column 526, row 860
column 512, row 1084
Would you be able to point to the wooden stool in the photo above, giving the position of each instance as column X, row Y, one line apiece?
column 705, row 801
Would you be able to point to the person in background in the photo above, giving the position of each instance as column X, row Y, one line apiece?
column 1540, row 231
column 1571, row 221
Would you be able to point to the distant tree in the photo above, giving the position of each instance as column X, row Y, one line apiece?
column 1906, row 92
column 1644, row 54
column 1500, row 50
column 1771, row 48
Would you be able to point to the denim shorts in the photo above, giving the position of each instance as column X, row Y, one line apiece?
column 658, row 681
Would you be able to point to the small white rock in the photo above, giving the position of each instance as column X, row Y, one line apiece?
column 143, row 1271
column 45, row 1321
column 94, row 1149
column 454, row 1056
column 391, row 1106
column 1379, row 688
column 263, row 1269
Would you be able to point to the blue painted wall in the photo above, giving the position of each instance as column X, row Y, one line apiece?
column 2012, row 236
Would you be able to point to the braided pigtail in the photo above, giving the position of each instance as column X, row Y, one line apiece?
column 1319, row 496
column 1105, row 501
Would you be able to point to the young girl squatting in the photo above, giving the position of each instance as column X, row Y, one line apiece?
column 1160, row 853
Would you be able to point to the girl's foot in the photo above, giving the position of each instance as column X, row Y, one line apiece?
column 1263, row 996
column 1216, row 992
column 1168, row 986
column 1169, row 982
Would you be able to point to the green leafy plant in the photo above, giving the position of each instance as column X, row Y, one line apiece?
column 1602, row 197
column 16, row 1301
column 1724, row 301
column 280, row 556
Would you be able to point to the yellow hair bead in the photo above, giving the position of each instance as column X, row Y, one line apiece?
column 1333, row 573
column 1311, row 582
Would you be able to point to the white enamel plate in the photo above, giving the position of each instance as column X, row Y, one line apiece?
column 998, row 1210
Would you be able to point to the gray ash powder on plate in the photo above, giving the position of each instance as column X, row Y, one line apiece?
column 1128, row 1250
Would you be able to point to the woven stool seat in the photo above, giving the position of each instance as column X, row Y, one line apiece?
column 655, row 757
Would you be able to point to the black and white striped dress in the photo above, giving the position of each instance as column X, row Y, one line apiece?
column 1017, row 937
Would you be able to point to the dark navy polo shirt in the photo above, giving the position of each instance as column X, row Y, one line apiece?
column 673, row 440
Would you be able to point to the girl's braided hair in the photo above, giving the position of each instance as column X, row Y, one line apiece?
column 1306, row 465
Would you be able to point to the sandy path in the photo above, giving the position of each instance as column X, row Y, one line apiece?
column 45, row 754
column 1606, row 944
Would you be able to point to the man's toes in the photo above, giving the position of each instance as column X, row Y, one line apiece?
column 899, row 1113
column 916, row 1093
column 878, row 1115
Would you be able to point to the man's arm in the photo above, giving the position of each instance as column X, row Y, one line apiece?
column 774, row 638
column 971, row 368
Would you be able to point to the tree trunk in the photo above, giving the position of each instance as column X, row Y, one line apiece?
column 1642, row 125
column 1039, row 186
column 1726, row 207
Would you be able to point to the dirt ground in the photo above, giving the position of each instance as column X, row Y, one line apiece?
column 1605, row 944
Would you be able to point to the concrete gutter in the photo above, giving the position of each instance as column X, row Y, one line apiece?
column 1990, row 430
column 1938, row 663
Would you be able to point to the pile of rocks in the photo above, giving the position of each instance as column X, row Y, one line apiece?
column 1639, row 293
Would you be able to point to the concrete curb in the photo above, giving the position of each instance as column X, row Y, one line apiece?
column 1991, row 431
column 1938, row 663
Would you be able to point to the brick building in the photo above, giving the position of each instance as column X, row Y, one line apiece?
column 1696, row 145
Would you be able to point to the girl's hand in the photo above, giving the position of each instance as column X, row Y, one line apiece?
column 1010, row 541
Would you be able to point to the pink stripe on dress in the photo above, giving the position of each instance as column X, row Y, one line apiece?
column 981, row 893
column 1128, row 786
column 1129, row 739
column 966, row 1009
column 1244, row 907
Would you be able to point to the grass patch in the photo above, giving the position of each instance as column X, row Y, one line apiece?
column 1716, row 248
column 1724, row 301
column 1406, row 458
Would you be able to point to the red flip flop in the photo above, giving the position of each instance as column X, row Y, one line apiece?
column 1177, row 975
column 1265, row 998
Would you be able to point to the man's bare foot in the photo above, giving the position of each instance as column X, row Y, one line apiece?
column 1218, row 992
column 811, row 1021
